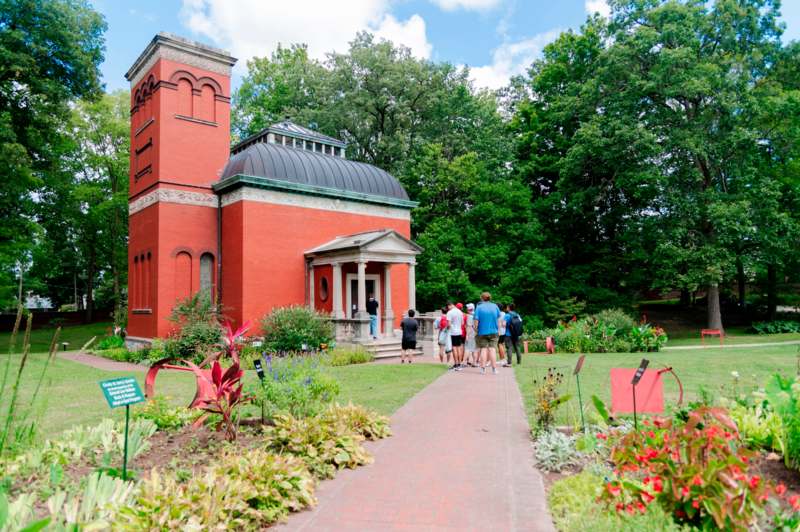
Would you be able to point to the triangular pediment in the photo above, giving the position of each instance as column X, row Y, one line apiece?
column 385, row 241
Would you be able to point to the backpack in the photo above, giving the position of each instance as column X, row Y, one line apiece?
column 443, row 323
column 516, row 325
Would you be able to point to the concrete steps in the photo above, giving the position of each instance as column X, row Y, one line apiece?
column 388, row 347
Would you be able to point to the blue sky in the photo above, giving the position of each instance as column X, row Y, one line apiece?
column 496, row 38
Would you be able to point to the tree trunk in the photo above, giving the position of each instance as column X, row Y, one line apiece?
column 741, row 281
column 90, row 285
column 714, row 312
column 686, row 298
column 772, row 292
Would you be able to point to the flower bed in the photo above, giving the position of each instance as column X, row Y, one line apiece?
column 730, row 465
column 184, row 477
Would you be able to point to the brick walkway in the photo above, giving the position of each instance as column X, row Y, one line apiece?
column 460, row 459
column 94, row 361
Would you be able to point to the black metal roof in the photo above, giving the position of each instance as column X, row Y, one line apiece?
column 304, row 167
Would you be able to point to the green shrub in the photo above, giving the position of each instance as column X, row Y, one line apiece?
column 199, row 332
column 346, row 356
column 574, row 508
column 616, row 319
column 111, row 342
column 292, row 328
column 359, row 420
column 776, row 326
column 120, row 354
column 783, row 395
column 194, row 341
column 555, row 451
column 297, row 385
column 246, row 491
column 324, row 443
column 166, row 417
column 605, row 332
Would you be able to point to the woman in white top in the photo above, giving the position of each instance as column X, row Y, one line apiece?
column 469, row 345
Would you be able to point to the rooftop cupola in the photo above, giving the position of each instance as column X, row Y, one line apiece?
column 289, row 134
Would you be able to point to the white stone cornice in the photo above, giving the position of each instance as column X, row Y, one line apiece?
column 171, row 195
column 314, row 202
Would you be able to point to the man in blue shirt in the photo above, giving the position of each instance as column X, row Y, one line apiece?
column 487, row 314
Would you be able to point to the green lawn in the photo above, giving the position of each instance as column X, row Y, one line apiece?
column 734, row 336
column 71, row 396
column 710, row 368
column 76, row 335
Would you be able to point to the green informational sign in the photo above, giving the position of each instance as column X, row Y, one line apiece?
column 122, row 391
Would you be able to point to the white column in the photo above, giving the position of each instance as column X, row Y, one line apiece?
column 362, row 288
column 388, row 312
column 412, row 286
column 311, row 286
column 338, row 312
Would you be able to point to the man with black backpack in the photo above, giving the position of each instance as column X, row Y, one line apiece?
column 513, row 334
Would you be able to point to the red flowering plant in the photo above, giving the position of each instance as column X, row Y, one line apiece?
column 697, row 471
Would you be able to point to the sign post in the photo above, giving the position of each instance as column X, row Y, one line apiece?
column 577, row 372
column 636, row 378
column 123, row 391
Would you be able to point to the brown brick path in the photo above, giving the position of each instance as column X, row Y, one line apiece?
column 460, row 459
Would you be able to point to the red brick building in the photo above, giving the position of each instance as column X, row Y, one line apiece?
column 282, row 218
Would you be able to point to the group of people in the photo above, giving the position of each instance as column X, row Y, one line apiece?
column 473, row 337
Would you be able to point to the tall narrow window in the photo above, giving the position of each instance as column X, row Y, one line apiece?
column 148, row 279
column 183, row 275
column 207, row 273
column 133, row 290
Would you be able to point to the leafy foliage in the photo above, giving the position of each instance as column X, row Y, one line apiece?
column 783, row 395
column 341, row 356
column 323, row 443
column 240, row 490
column 609, row 331
column 222, row 395
column 166, row 417
column 555, row 451
column 572, row 502
column 776, row 327
column 111, row 342
column 546, row 399
column 698, row 472
column 199, row 333
column 292, row 328
column 296, row 385
column 359, row 420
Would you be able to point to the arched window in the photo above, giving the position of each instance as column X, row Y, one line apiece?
column 183, row 275
column 207, row 273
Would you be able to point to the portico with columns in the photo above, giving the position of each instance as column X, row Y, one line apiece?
column 342, row 273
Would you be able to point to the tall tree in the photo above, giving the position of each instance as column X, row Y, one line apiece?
column 87, row 241
column 50, row 51
column 286, row 83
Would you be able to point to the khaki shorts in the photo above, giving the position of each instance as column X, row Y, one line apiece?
column 486, row 340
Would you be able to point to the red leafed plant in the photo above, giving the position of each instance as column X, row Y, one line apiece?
column 697, row 471
column 219, row 393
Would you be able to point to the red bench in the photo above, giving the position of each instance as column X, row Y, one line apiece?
column 712, row 332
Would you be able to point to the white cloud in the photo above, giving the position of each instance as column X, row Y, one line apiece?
column 249, row 28
column 410, row 33
column 477, row 5
column 598, row 6
column 511, row 59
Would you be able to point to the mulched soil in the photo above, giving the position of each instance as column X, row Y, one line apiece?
column 189, row 448
column 771, row 467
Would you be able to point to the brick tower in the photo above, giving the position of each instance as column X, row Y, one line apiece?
column 180, row 140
